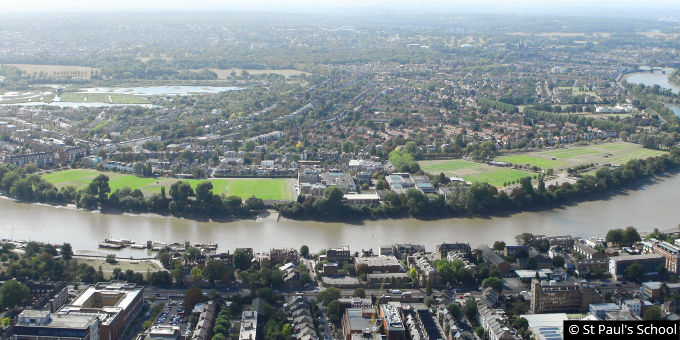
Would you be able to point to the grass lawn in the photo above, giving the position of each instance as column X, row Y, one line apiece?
column 273, row 189
column 539, row 162
column 621, row 153
column 107, row 268
column 475, row 172
column 266, row 189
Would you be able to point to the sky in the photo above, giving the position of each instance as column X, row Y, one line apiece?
column 655, row 8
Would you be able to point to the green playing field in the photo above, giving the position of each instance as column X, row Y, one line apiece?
column 272, row 189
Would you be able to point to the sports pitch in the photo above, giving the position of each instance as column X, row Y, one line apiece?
column 474, row 172
column 621, row 153
column 268, row 189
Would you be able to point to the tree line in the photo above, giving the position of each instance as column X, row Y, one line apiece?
column 577, row 119
column 500, row 106
column 480, row 198
column 181, row 199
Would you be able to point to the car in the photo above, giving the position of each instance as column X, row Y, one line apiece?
column 316, row 290
column 618, row 285
column 460, row 297
column 603, row 285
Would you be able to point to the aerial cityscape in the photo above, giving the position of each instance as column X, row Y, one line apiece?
column 366, row 171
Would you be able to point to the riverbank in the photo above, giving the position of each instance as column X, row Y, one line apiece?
column 358, row 219
column 652, row 204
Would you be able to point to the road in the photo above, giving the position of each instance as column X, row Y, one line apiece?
column 328, row 327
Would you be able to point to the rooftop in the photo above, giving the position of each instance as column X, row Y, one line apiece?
column 72, row 321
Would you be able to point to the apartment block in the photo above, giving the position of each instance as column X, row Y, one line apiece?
column 651, row 263
column 562, row 297
column 338, row 255
column 670, row 251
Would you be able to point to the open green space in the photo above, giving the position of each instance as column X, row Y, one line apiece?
column 539, row 162
column 107, row 268
column 475, row 172
column 266, row 189
column 621, row 152
column 269, row 189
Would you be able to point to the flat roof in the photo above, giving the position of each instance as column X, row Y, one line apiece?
column 377, row 261
column 73, row 321
column 636, row 257
column 546, row 320
column 530, row 274
column 604, row 306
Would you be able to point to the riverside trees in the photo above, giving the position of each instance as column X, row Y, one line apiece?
column 481, row 197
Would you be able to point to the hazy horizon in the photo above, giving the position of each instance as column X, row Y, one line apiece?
column 599, row 8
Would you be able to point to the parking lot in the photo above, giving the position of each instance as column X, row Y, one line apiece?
column 172, row 316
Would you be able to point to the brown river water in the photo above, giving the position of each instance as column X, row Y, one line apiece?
column 652, row 205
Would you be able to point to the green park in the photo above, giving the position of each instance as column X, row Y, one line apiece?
column 267, row 189
column 616, row 153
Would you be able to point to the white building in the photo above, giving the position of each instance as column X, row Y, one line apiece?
column 632, row 305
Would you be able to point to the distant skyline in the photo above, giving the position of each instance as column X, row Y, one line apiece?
column 601, row 8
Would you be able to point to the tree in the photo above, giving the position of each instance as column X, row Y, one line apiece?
column 241, row 259
column 178, row 275
column 304, row 251
column 599, row 273
column 558, row 261
column 196, row 273
column 333, row 310
column 362, row 269
column 532, row 264
column 525, row 239
column 630, row 236
column 192, row 296
column 635, row 271
column 66, row 251
column 287, row 331
column 493, row 282
column 190, row 253
column 12, row 293
column 615, row 236
column 480, row 332
column 214, row 270
column 254, row 203
column 188, row 155
column 165, row 259
column 428, row 288
column 653, row 313
column 249, row 146
column 455, row 310
column 359, row 292
column 499, row 245
column 328, row 295
column 662, row 270
column 470, row 309
column 111, row 259
column 333, row 196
